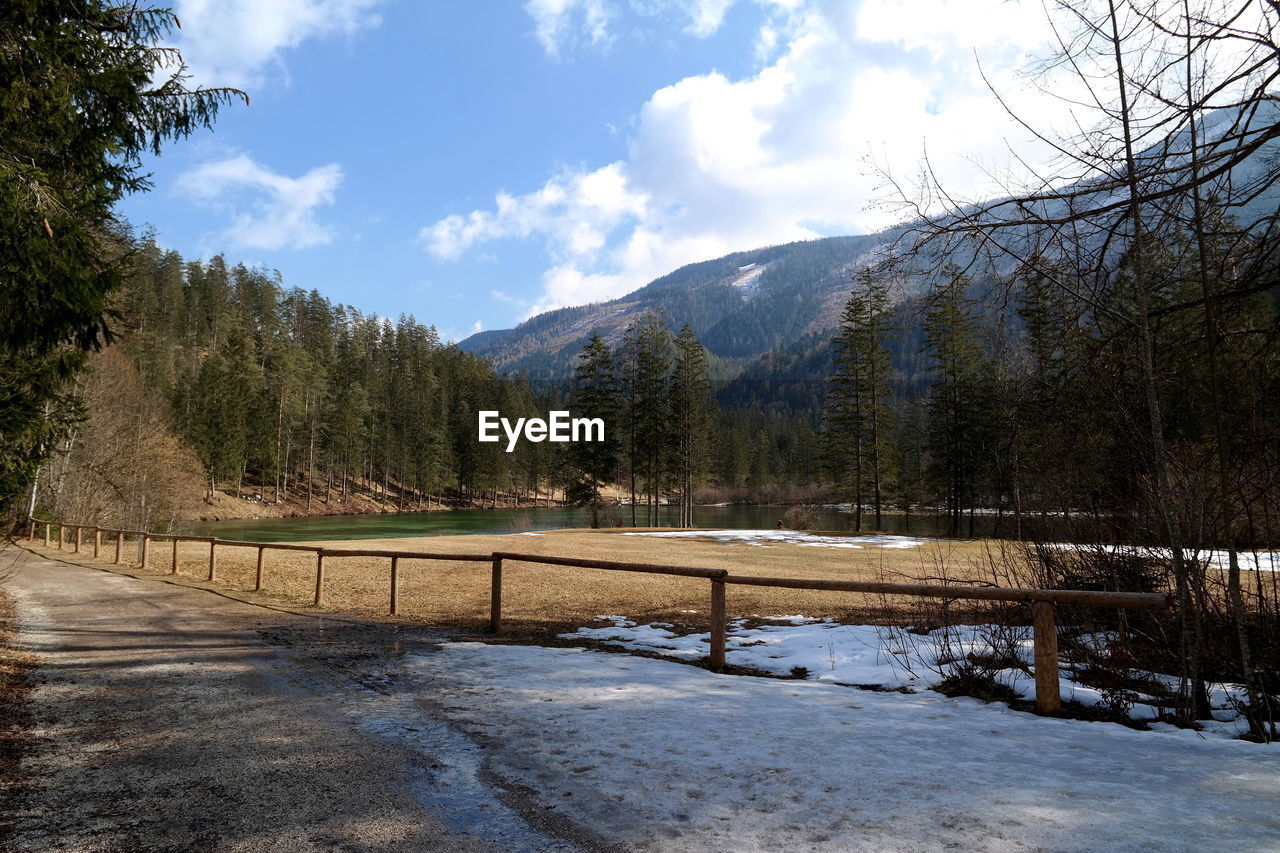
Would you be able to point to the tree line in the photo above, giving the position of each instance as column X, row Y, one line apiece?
column 280, row 391
column 654, row 394
column 286, row 396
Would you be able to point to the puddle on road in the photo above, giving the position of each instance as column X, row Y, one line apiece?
column 447, row 765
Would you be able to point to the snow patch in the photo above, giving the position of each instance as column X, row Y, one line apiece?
column 748, row 279
column 655, row 756
column 1250, row 561
column 789, row 537
column 826, row 650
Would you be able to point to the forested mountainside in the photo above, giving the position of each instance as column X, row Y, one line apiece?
column 770, row 313
column 740, row 305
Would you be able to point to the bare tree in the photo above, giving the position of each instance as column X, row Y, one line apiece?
column 122, row 467
column 1174, row 107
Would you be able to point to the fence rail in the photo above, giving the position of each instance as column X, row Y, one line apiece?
column 1080, row 597
column 648, row 568
column 1043, row 601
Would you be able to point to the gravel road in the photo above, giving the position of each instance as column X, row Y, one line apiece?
column 172, row 717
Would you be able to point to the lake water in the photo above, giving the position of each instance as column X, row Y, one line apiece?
column 397, row 525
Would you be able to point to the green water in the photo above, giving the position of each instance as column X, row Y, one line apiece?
column 398, row 525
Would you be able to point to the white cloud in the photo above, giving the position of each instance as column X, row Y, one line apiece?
column 792, row 151
column 452, row 336
column 565, row 23
column 503, row 296
column 706, row 16
column 945, row 26
column 574, row 212
column 268, row 210
column 233, row 42
column 558, row 21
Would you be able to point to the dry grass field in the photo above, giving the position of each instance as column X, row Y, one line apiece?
column 540, row 601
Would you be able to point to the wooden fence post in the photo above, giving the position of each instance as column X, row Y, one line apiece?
column 47, row 526
column 395, row 584
column 61, row 536
column 31, row 534
column 213, row 560
column 718, row 624
column 97, row 541
column 146, row 540
column 79, row 536
column 119, row 544
column 495, row 597
column 1045, row 639
column 257, row 581
column 319, row 577
column 173, row 565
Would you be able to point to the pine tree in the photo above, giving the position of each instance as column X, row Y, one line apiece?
column 858, row 415
column 595, row 395
column 957, row 400
column 646, row 363
column 85, row 89
column 691, row 412
column 1054, row 407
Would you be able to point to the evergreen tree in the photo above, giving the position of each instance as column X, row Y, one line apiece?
column 1056, row 405
column 595, row 395
column 218, row 428
column 647, row 363
column 858, row 414
column 957, row 399
column 691, row 415
column 85, row 88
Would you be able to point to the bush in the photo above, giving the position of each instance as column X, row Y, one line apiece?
column 967, row 679
column 802, row 517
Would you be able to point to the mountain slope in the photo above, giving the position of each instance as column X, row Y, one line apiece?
column 740, row 306
column 784, row 301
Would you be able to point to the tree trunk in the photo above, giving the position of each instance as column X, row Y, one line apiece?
column 1226, row 500
column 1146, row 341
column 311, row 465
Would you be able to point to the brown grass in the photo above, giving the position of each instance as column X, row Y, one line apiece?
column 540, row 601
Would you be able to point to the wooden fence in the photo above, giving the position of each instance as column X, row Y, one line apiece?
column 1043, row 601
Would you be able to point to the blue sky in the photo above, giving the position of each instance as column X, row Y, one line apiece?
column 473, row 163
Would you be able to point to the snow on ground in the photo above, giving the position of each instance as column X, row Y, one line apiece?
column 790, row 537
column 651, row 755
column 1255, row 561
column 1263, row 561
column 878, row 655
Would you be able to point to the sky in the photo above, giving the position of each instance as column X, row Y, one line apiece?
column 473, row 164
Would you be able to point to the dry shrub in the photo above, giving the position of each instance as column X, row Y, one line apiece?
column 802, row 517
column 767, row 493
column 122, row 467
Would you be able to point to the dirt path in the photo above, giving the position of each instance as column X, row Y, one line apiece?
column 169, row 717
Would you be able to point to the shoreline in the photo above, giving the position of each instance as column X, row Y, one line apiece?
column 227, row 507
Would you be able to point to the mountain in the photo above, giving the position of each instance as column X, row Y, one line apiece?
column 768, row 313
column 740, row 306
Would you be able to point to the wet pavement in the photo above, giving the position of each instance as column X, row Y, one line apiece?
column 171, row 717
